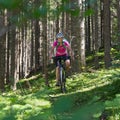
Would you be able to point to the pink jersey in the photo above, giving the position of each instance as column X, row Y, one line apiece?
column 61, row 50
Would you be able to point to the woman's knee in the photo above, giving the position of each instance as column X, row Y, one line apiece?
column 67, row 62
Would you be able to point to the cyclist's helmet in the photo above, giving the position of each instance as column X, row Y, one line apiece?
column 60, row 35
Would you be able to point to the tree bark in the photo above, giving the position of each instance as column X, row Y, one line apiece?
column 75, row 28
column 106, row 33
column 96, row 35
column 2, row 58
column 82, row 37
column 45, row 42
column 118, row 22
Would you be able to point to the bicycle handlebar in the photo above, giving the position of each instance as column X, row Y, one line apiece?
column 60, row 57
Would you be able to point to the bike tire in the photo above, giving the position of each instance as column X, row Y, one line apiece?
column 62, row 80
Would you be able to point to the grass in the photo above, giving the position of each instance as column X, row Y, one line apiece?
column 90, row 96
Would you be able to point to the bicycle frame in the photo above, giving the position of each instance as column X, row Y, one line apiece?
column 62, row 72
column 62, row 77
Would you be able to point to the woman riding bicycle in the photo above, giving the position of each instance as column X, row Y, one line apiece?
column 62, row 47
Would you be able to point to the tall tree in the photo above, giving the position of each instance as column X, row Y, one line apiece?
column 57, row 17
column 2, row 57
column 75, row 23
column 7, row 49
column 106, row 33
column 68, row 18
column 118, row 22
column 101, row 23
column 12, row 60
column 45, row 42
column 37, row 43
column 87, row 27
column 82, row 35
column 37, row 37
column 96, row 34
column 2, row 64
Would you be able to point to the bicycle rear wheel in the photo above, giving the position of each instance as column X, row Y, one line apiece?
column 62, row 80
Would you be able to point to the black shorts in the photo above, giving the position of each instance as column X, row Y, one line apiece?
column 58, row 58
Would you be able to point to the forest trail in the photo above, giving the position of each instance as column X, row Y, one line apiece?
column 90, row 96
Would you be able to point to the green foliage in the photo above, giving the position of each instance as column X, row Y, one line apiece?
column 10, row 4
column 39, row 12
column 24, row 10
column 113, row 107
column 115, row 55
column 88, row 12
column 114, row 104
column 89, row 97
column 24, row 107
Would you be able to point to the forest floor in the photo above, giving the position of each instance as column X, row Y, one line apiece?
column 90, row 96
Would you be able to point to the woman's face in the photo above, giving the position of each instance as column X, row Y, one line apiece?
column 60, row 40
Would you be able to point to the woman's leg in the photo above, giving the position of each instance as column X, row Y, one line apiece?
column 68, row 67
column 67, row 62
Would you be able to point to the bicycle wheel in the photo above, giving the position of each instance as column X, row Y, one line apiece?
column 62, row 80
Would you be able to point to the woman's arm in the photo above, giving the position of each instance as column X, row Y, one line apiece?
column 71, row 52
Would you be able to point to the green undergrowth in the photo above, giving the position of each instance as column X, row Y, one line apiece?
column 89, row 96
column 115, row 55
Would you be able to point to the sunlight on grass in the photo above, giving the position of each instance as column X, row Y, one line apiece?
column 38, row 102
column 31, row 106
column 88, row 95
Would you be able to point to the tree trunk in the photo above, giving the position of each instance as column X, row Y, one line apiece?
column 96, row 35
column 45, row 42
column 106, row 34
column 82, row 39
column 32, row 45
column 7, row 52
column 2, row 63
column 75, row 28
column 12, row 53
column 7, row 60
column 37, row 38
column 2, row 58
column 37, row 44
column 118, row 22
column 101, row 22
column 57, row 20
column 87, row 29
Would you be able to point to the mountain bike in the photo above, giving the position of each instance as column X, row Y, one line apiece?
column 62, row 73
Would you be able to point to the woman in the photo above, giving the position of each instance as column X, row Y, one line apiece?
column 62, row 47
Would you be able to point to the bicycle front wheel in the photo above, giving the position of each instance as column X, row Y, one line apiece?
column 62, row 80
